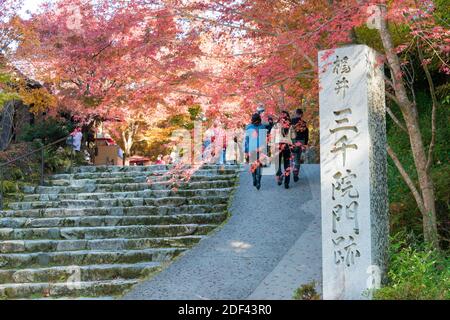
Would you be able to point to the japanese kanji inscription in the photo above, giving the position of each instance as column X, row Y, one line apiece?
column 353, row 170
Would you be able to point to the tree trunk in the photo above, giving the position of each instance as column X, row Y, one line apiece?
column 410, row 114
column 425, row 180
column 127, row 142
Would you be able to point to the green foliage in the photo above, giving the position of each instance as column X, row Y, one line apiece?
column 442, row 179
column 442, row 12
column 403, row 209
column 307, row 292
column 10, row 186
column 371, row 37
column 4, row 77
column 194, row 112
column 416, row 272
column 400, row 33
column 7, row 96
column 62, row 159
column 17, row 174
column 22, row 169
column 47, row 131
column 443, row 94
column 157, row 140
column 180, row 121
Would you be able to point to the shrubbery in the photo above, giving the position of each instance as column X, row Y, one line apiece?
column 59, row 157
column 404, row 213
column 416, row 272
column 62, row 159
column 307, row 292
column 47, row 131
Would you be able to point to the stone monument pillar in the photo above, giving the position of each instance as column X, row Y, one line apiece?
column 353, row 172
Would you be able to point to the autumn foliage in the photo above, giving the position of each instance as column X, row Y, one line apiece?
column 142, row 60
column 105, row 57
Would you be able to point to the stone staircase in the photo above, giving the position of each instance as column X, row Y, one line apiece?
column 98, row 231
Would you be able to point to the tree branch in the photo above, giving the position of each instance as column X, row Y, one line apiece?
column 407, row 179
column 392, row 97
column 389, row 82
column 396, row 120
column 95, row 55
column 433, row 110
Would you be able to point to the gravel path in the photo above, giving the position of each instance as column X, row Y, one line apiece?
column 268, row 248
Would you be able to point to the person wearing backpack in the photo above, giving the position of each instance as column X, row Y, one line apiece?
column 255, row 147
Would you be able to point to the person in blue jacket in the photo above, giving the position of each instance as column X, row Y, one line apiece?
column 255, row 147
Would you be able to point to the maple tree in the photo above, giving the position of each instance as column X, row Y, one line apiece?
column 118, row 58
column 279, row 65
column 7, row 36
column 9, row 24
column 103, row 57
column 13, row 84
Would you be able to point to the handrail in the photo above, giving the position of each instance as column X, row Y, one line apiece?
column 34, row 151
column 41, row 149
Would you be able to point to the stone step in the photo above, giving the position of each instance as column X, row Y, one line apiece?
column 131, row 174
column 152, row 168
column 62, row 298
column 138, row 179
column 106, row 227
column 102, row 221
column 80, row 273
column 85, row 258
column 215, row 184
column 80, row 289
column 83, row 182
column 90, row 169
column 106, row 232
column 129, row 194
column 23, row 246
column 126, row 202
column 112, row 211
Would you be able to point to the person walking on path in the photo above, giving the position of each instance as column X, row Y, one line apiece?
column 255, row 136
column 283, row 138
column 223, row 140
column 77, row 137
column 269, row 127
column 218, row 143
column 234, row 150
column 300, row 140
column 207, row 146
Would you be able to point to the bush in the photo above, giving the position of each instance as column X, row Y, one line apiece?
column 10, row 186
column 47, row 131
column 307, row 292
column 416, row 272
column 404, row 213
column 441, row 179
column 62, row 159
column 24, row 169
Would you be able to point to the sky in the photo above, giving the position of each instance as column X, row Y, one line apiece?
column 30, row 5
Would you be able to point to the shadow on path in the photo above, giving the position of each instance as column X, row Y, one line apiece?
column 261, row 244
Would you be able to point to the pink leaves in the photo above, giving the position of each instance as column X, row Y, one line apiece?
column 445, row 69
column 127, row 55
column 426, row 62
column 127, row 51
column 401, row 48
